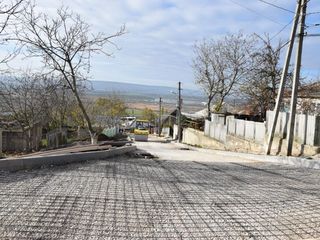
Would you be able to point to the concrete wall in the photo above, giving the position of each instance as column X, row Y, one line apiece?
column 236, row 144
column 306, row 131
column 306, row 128
column 218, row 118
column 197, row 138
column 248, row 130
column 165, row 132
column 216, row 130
column 282, row 123
column 241, row 135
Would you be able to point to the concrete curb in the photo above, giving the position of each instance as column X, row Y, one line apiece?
column 294, row 161
column 15, row 164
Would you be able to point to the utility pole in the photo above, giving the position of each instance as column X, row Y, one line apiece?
column 159, row 127
column 283, row 77
column 179, row 112
column 296, row 78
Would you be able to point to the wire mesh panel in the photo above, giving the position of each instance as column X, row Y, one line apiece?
column 134, row 198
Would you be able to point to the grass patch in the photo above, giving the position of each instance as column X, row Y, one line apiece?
column 134, row 112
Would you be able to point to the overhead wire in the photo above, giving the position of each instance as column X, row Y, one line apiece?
column 282, row 29
column 256, row 12
column 276, row 6
column 311, row 13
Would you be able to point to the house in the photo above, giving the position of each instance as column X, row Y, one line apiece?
column 308, row 101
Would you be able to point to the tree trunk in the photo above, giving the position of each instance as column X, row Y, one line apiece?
column 209, row 107
column 87, row 118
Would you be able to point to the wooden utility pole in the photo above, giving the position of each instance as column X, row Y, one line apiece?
column 284, row 76
column 296, row 79
column 160, row 116
column 179, row 113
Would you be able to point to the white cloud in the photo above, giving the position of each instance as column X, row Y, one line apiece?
column 158, row 46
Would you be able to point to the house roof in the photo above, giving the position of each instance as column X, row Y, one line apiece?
column 306, row 91
column 310, row 91
column 197, row 115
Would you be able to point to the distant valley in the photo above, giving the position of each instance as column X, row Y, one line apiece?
column 138, row 95
column 108, row 86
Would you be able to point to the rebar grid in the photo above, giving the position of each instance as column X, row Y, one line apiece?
column 129, row 198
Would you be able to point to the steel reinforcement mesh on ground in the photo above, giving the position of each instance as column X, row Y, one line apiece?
column 137, row 198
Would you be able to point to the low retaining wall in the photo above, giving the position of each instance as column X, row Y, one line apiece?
column 232, row 143
column 237, row 144
column 37, row 162
column 197, row 138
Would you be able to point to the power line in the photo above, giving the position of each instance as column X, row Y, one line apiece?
column 312, row 25
column 313, row 13
column 282, row 29
column 254, row 11
column 276, row 6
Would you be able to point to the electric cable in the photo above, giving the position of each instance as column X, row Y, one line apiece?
column 276, row 6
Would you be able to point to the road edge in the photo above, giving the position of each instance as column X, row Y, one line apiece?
column 15, row 164
column 293, row 161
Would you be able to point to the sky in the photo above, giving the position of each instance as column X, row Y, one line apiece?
column 158, row 46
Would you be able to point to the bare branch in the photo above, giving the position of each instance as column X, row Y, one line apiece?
column 220, row 65
column 65, row 44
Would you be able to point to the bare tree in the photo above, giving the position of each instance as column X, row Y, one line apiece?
column 263, row 79
column 24, row 99
column 58, row 101
column 219, row 65
column 8, row 10
column 65, row 44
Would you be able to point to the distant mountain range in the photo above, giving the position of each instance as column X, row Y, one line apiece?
column 131, row 88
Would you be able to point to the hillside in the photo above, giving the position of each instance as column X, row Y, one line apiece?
column 131, row 88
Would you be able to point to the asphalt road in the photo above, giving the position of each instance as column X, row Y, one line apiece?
column 183, row 194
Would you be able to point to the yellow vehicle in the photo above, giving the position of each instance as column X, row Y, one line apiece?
column 141, row 130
